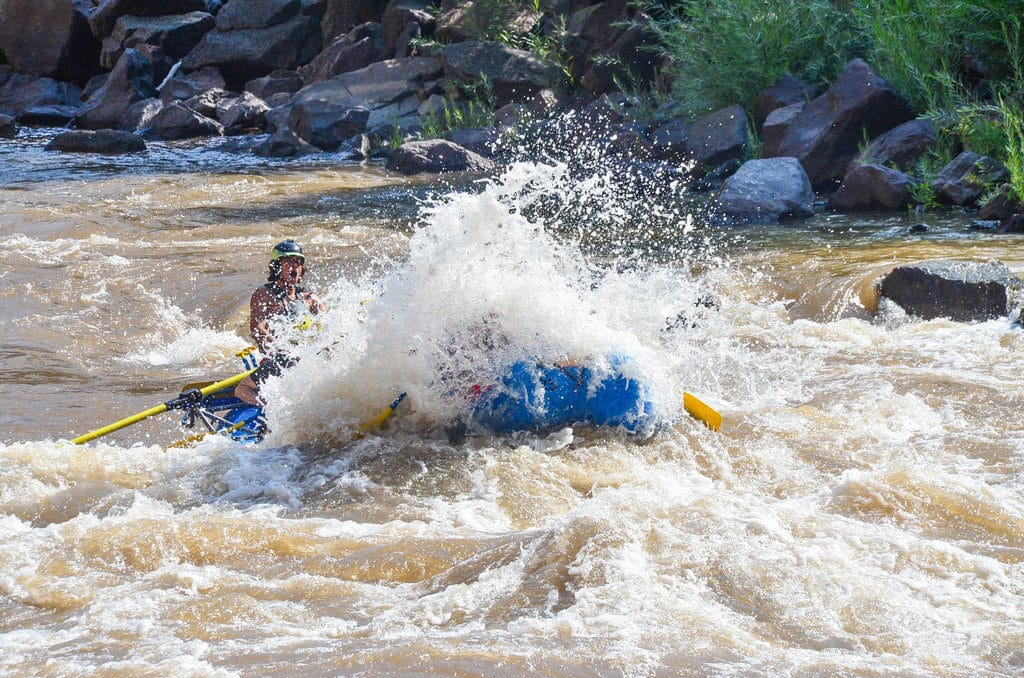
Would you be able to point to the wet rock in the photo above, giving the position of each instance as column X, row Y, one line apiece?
column 140, row 114
column 181, row 88
column 207, row 102
column 718, row 137
column 327, row 124
column 241, row 14
column 960, row 290
column 341, row 16
column 399, row 13
column 1003, row 206
column 484, row 141
column 106, row 14
column 717, row 176
column 902, row 145
column 49, row 38
column 129, row 82
column 248, row 53
column 514, row 75
column 966, row 177
column 357, row 49
column 284, row 144
column 8, row 126
column 668, row 141
column 786, row 91
column 773, row 131
column 763, row 192
column 28, row 98
column 246, row 114
column 104, row 141
column 176, row 35
column 825, row 135
column 275, row 83
column 435, row 155
column 175, row 121
column 872, row 187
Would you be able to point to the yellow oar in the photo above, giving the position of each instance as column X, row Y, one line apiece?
column 702, row 411
column 379, row 420
column 169, row 405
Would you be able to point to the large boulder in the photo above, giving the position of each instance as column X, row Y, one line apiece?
column 241, row 14
column 785, row 91
column 592, row 30
column 825, row 135
column 129, row 82
column 966, row 177
column 763, row 192
column 358, row 48
column 175, row 121
column 872, row 187
column 341, row 16
column 277, row 82
column 668, row 141
column 435, row 155
column 177, row 34
column 325, row 124
column 248, row 53
column 242, row 114
column 718, row 137
column 902, row 145
column 182, row 87
column 104, row 141
column 49, row 38
column 773, row 130
column 960, row 290
column 514, row 75
column 399, row 14
column 140, row 114
column 38, row 101
column 107, row 12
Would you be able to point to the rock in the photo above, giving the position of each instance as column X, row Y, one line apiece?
column 455, row 25
column 628, row 58
column 327, row 124
column 25, row 95
column 175, row 121
column 185, row 87
column 241, row 14
column 245, row 114
column 960, row 290
column 435, row 155
column 105, row 16
column 773, row 131
column 825, row 135
column 8, row 126
column 965, row 178
column 399, row 13
column 717, row 176
column 718, row 137
column 484, row 141
column 248, row 53
column 95, row 82
column 275, row 83
column 49, row 38
column 140, row 114
column 105, row 141
column 129, row 82
column 177, row 35
column 207, row 102
column 763, row 192
column 1003, row 206
column 514, row 75
column 315, row 8
column 342, row 16
column 787, row 90
column 873, row 187
column 359, row 48
column 902, row 145
column 593, row 30
column 668, row 141
column 284, row 144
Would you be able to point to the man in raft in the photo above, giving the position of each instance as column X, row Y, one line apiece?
column 282, row 300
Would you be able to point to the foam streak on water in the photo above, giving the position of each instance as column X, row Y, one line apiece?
column 860, row 512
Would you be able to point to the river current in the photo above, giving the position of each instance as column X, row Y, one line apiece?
column 859, row 512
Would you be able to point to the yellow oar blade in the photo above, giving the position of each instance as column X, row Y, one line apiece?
column 702, row 411
column 380, row 419
column 163, row 407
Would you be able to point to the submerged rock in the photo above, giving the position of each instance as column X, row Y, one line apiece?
column 960, row 290
column 105, row 141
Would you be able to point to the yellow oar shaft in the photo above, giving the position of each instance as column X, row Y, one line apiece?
column 158, row 409
column 702, row 411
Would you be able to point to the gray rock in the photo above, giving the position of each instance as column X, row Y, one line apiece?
column 435, row 155
column 960, row 290
column 326, row 124
column 763, row 192
column 175, row 121
column 104, row 141
column 207, row 102
column 244, row 54
column 49, row 38
column 359, row 48
column 375, row 87
column 284, row 144
column 628, row 58
column 399, row 14
column 20, row 94
column 718, row 137
column 787, row 90
column 872, row 187
column 514, row 75
column 94, row 84
column 246, row 114
column 1003, row 206
column 275, row 83
column 105, row 16
column 773, row 131
column 965, row 178
column 241, row 14
column 8, row 126
column 668, row 141
column 181, row 88
column 140, row 114
column 129, row 82
column 342, row 16
column 825, row 135
column 484, row 141
column 902, row 145
column 177, row 34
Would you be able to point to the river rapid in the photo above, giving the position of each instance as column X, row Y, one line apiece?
column 859, row 513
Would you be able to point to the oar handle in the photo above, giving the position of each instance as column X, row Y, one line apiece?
column 174, row 403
